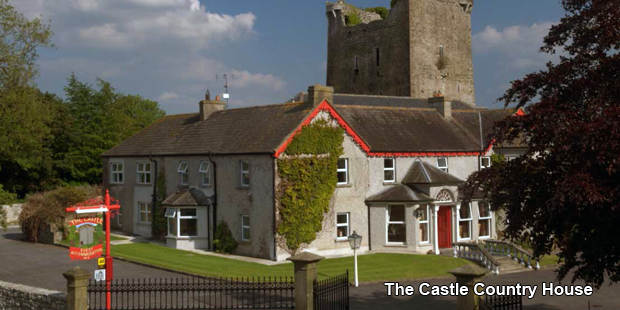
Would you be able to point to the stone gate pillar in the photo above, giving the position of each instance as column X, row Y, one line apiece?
column 305, row 274
column 77, row 282
column 468, row 276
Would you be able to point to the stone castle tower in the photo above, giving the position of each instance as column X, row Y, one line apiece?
column 423, row 47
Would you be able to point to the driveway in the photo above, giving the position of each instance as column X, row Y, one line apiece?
column 42, row 265
column 374, row 296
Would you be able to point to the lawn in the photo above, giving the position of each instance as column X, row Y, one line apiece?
column 548, row 260
column 373, row 267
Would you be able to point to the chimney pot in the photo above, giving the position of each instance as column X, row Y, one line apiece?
column 207, row 107
column 442, row 105
column 208, row 96
column 317, row 93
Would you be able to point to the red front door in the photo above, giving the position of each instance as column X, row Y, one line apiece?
column 444, row 223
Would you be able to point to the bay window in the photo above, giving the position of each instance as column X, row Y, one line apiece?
column 182, row 222
column 484, row 220
column 396, row 230
column 424, row 223
column 464, row 217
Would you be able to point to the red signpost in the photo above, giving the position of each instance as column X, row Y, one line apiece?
column 107, row 208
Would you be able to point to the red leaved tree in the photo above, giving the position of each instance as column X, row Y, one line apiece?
column 564, row 192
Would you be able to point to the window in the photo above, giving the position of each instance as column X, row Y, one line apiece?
column 146, row 212
column 441, row 52
column 116, row 170
column 144, row 173
column 424, row 231
column 183, row 174
column 245, row 173
column 342, row 226
column 465, row 222
column 343, row 171
column 182, row 222
column 396, row 231
column 378, row 56
column 485, row 162
column 484, row 220
column 245, row 227
column 442, row 163
column 205, row 173
column 389, row 166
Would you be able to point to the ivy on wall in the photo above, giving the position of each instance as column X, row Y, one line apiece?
column 307, row 182
column 159, row 225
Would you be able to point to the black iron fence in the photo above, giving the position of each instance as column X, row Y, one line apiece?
column 195, row 293
column 494, row 302
column 332, row 293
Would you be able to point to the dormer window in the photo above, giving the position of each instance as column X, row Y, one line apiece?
column 442, row 163
column 183, row 174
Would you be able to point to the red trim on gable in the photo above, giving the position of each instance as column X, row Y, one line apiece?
column 327, row 107
column 520, row 112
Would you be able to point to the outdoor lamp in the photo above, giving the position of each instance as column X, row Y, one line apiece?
column 355, row 241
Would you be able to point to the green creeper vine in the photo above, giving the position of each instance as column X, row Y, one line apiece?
column 159, row 225
column 307, row 182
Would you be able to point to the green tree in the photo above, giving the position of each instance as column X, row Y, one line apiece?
column 24, row 115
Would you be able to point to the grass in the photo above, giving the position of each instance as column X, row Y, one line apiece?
column 548, row 260
column 374, row 267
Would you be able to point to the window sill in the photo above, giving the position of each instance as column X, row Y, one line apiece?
column 344, row 185
column 342, row 240
column 396, row 245
column 185, row 237
column 387, row 183
column 246, row 242
column 144, row 184
column 484, row 237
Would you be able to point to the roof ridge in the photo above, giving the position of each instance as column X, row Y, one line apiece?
column 378, row 96
column 383, row 107
column 264, row 106
column 424, row 171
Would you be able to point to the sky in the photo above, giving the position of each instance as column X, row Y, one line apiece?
column 172, row 51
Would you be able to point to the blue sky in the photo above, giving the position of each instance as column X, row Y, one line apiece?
column 172, row 50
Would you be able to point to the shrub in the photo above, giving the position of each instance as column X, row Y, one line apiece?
column 159, row 225
column 45, row 208
column 498, row 158
column 224, row 241
column 382, row 11
column 352, row 19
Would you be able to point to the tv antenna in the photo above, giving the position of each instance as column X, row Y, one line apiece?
column 225, row 77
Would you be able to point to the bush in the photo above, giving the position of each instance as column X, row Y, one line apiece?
column 224, row 241
column 45, row 208
column 382, row 11
column 352, row 19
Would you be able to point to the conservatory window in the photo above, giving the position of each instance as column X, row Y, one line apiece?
column 396, row 231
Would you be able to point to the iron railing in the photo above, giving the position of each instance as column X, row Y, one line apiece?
column 195, row 293
column 505, row 248
column 494, row 302
column 332, row 293
column 476, row 252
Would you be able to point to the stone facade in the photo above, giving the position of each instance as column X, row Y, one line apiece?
column 22, row 297
column 423, row 47
column 12, row 212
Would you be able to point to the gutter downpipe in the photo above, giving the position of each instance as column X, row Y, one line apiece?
column 154, row 197
column 214, row 204
column 481, row 141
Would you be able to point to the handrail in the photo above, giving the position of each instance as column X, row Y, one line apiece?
column 506, row 248
column 476, row 252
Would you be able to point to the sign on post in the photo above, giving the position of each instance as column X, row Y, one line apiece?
column 100, row 275
column 86, row 238
column 101, row 262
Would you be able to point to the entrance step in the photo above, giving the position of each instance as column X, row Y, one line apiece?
column 509, row 265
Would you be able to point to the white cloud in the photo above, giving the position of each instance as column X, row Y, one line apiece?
column 518, row 45
column 167, row 95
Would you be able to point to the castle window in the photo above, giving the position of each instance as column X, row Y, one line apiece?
column 441, row 52
column 378, row 56
column 356, row 66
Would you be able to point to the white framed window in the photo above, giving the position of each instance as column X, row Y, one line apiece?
column 342, row 226
column 464, row 217
column 144, row 173
column 484, row 220
column 343, row 171
column 205, row 173
column 424, row 225
column 442, row 163
column 244, row 167
column 396, row 228
column 183, row 173
column 182, row 222
column 145, row 213
column 245, row 228
column 485, row 162
column 389, row 170
column 116, row 173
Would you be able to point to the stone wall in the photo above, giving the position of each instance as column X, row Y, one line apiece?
column 400, row 56
column 12, row 212
column 22, row 297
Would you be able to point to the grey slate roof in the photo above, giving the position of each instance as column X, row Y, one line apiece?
column 262, row 129
column 259, row 129
column 399, row 193
column 187, row 197
column 425, row 173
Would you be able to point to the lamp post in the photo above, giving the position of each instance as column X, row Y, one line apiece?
column 355, row 241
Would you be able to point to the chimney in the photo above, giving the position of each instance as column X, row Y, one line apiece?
column 208, row 106
column 316, row 94
column 442, row 105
